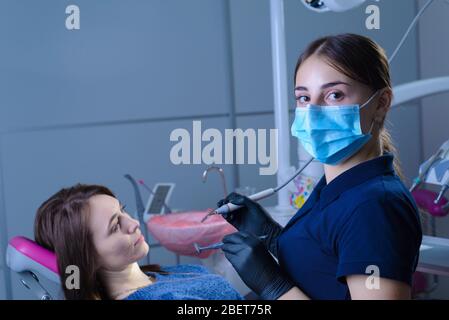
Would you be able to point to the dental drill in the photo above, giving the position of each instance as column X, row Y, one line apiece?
column 443, row 190
column 426, row 166
column 229, row 207
column 217, row 245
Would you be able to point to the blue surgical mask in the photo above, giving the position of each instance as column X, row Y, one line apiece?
column 331, row 134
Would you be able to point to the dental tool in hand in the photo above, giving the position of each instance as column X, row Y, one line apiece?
column 217, row 245
column 229, row 207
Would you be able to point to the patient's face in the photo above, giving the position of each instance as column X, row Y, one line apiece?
column 116, row 235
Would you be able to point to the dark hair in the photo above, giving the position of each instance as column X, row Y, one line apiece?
column 61, row 225
column 361, row 59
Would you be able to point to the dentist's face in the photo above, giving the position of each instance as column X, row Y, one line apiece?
column 117, row 237
column 319, row 83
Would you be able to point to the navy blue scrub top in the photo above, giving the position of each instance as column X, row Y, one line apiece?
column 363, row 217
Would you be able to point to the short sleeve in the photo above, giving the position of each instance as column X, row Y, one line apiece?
column 383, row 233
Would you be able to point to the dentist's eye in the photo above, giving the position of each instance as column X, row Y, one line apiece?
column 334, row 96
column 116, row 227
column 302, row 99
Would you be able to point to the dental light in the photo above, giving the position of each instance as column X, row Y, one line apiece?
column 331, row 5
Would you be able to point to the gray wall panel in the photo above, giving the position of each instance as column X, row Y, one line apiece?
column 126, row 62
column 250, row 27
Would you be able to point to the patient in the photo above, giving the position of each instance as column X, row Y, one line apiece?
column 86, row 226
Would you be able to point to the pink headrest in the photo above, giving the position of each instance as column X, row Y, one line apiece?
column 34, row 251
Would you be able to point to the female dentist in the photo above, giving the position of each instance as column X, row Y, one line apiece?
column 358, row 235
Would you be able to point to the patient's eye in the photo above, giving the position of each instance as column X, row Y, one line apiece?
column 116, row 227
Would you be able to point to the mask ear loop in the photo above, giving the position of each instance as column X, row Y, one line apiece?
column 365, row 104
column 369, row 100
column 371, row 127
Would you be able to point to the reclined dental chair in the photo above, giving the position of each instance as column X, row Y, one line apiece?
column 28, row 260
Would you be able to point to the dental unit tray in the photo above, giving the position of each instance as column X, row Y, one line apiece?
column 433, row 255
column 436, row 168
column 435, row 171
column 159, row 197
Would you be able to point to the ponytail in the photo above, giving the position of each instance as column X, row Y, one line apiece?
column 386, row 145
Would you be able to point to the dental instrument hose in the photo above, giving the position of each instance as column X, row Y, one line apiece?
column 409, row 29
column 229, row 207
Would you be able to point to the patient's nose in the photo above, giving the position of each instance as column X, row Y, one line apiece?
column 132, row 225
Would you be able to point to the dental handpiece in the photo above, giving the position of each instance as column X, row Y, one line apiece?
column 229, row 207
column 217, row 245
column 442, row 191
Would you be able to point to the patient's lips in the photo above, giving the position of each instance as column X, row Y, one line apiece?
column 139, row 240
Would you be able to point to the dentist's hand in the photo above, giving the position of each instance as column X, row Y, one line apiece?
column 252, row 218
column 255, row 265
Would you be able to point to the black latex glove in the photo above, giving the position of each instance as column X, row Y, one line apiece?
column 252, row 218
column 255, row 265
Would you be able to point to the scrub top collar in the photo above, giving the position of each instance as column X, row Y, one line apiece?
column 362, row 172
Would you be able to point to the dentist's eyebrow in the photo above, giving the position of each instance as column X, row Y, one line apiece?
column 324, row 86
